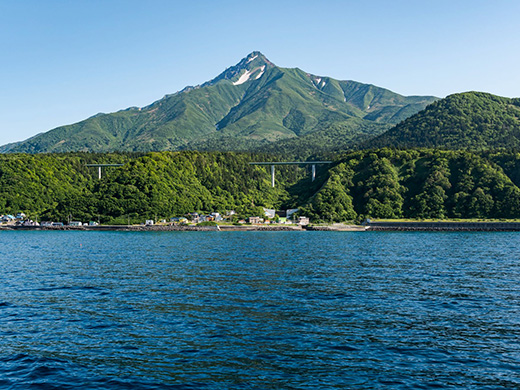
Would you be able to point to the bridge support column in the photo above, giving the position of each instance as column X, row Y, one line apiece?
column 99, row 173
column 313, row 172
column 272, row 175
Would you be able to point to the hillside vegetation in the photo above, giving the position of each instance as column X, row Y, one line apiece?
column 470, row 121
column 380, row 183
column 419, row 184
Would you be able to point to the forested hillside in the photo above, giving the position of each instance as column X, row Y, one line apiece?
column 166, row 184
column 382, row 183
column 469, row 121
column 419, row 184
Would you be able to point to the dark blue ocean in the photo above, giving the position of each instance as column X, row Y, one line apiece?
column 259, row 310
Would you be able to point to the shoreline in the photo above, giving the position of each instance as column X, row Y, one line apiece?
column 189, row 228
column 337, row 227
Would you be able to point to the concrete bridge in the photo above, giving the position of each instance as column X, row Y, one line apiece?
column 311, row 163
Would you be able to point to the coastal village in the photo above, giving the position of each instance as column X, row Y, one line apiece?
column 270, row 217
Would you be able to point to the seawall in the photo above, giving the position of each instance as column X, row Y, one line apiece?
column 444, row 226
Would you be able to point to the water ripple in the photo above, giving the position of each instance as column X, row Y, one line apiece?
column 260, row 310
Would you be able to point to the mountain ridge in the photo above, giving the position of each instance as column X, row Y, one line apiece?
column 254, row 101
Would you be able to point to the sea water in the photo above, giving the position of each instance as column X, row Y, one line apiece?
column 259, row 310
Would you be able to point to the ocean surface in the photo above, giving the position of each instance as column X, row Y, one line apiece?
column 259, row 310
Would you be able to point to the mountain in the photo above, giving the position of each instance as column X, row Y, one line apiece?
column 249, row 106
column 470, row 120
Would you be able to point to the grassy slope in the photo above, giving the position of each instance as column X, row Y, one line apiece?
column 282, row 104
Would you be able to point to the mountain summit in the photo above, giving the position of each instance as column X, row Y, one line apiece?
column 250, row 106
column 249, row 68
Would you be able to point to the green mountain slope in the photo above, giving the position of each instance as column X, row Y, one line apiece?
column 253, row 103
column 471, row 120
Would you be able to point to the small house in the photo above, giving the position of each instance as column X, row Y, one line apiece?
column 270, row 213
column 216, row 217
column 290, row 212
column 303, row 221
column 254, row 219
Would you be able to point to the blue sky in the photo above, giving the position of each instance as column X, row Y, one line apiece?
column 64, row 61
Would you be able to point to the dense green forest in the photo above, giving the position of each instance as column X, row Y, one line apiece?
column 383, row 183
column 469, row 121
column 153, row 185
column 419, row 184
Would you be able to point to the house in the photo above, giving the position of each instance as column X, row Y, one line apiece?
column 270, row 213
column 20, row 216
column 92, row 223
column 290, row 212
column 149, row 222
column 8, row 218
column 303, row 221
column 254, row 219
column 216, row 217
column 75, row 223
column 179, row 220
column 194, row 217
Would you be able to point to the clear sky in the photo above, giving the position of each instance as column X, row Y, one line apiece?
column 63, row 61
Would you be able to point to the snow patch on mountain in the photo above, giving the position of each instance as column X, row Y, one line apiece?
column 243, row 78
column 251, row 59
column 261, row 72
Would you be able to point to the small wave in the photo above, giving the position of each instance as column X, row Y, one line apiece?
column 343, row 348
column 26, row 371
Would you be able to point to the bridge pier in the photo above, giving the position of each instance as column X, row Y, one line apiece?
column 100, row 166
column 272, row 164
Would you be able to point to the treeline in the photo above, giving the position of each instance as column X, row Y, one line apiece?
column 468, row 121
column 153, row 185
column 420, row 184
column 382, row 183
